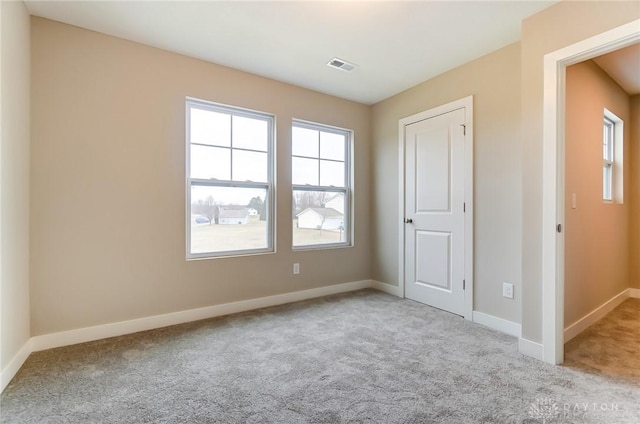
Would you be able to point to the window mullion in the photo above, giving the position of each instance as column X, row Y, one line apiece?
column 231, row 149
column 319, row 156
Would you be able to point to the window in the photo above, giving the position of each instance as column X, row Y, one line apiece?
column 611, row 157
column 229, row 180
column 321, row 180
column 607, row 159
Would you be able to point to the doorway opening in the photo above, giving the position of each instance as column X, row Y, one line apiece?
column 601, row 186
column 553, row 208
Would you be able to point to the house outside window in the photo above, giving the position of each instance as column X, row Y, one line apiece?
column 321, row 182
column 230, row 191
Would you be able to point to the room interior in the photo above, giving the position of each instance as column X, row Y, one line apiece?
column 93, row 137
column 593, row 232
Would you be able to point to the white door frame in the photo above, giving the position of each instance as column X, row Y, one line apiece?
column 553, row 144
column 467, row 104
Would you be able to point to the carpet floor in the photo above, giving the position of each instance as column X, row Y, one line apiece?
column 361, row 357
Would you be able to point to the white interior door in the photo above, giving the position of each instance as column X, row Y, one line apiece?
column 435, row 211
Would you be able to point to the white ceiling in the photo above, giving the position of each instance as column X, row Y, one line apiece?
column 397, row 44
column 623, row 66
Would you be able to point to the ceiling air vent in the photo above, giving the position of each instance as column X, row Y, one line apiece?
column 343, row 65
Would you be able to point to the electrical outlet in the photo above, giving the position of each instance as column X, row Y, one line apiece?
column 507, row 290
column 296, row 268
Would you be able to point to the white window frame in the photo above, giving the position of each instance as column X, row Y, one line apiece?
column 268, row 186
column 612, row 143
column 347, row 190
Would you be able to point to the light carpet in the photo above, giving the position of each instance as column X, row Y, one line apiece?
column 361, row 357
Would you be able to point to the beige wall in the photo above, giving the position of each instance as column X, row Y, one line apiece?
column 634, row 147
column 108, row 185
column 494, row 80
column 14, row 180
column 554, row 28
column 597, row 242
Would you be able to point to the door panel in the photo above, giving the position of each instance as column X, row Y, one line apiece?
column 433, row 174
column 434, row 209
column 433, row 259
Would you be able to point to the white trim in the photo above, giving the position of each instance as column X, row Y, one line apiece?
column 529, row 348
column 401, row 187
column 469, row 206
column 635, row 293
column 553, row 176
column 499, row 324
column 81, row 335
column 466, row 104
column 583, row 323
column 387, row 288
column 14, row 365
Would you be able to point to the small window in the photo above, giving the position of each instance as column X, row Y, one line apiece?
column 607, row 159
column 229, row 180
column 321, row 178
column 612, row 183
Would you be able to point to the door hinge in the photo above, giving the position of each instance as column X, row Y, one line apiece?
column 464, row 129
column 464, row 284
column 464, row 207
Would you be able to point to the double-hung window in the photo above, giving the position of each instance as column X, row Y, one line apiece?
column 229, row 180
column 321, row 182
column 607, row 159
column 612, row 158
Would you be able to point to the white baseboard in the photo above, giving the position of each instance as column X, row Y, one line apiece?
column 583, row 323
column 635, row 293
column 504, row 326
column 14, row 365
column 530, row 348
column 87, row 334
column 387, row 288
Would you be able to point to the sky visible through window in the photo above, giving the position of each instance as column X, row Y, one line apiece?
column 227, row 148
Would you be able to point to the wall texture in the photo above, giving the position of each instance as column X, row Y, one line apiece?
column 108, row 183
column 14, row 180
column 634, row 153
column 494, row 80
column 597, row 235
column 554, row 28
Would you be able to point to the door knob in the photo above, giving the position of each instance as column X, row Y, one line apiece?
column 408, row 221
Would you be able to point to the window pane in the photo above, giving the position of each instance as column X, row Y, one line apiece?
column 210, row 162
column 607, row 140
column 249, row 166
column 209, row 127
column 304, row 171
column 304, row 142
column 606, row 182
column 332, row 146
column 228, row 219
column 331, row 173
column 318, row 218
column 249, row 133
